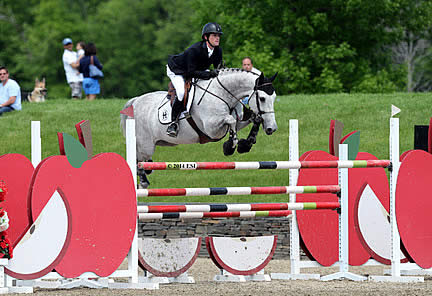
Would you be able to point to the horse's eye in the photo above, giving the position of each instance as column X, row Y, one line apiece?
column 262, row 99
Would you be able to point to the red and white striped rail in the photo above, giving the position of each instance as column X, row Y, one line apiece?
column 237, row 190
column 199, row 215
column 262, row 165
column 238, row 207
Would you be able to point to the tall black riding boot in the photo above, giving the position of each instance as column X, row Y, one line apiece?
column 172, row 129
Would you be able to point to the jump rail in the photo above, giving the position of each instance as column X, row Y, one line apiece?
column 237, row 190
column 199, row 215
column 239, row 207
column 253, row 165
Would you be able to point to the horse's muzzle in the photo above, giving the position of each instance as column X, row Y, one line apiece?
column 269, row 130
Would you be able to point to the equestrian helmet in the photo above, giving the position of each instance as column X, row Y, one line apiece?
column 211, row 28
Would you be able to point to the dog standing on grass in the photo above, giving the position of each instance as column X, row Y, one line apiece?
column 39, row 92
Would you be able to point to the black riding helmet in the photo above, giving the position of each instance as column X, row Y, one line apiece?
column 211, row 28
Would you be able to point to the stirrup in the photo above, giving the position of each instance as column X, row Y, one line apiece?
column 186, row 114
column 172, row 130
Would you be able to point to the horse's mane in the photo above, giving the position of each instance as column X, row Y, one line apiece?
column 225, row 71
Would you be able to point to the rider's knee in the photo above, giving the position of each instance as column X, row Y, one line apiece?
column 180, row 95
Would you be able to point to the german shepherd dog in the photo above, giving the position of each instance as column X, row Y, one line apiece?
column 39, row 92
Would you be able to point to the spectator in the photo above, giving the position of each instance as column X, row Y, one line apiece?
column 70, row 64
column 80, row 50
column 91, row 85
column 10, row 93
column 248, row 66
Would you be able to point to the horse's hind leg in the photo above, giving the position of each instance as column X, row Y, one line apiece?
column 142, row 173
column 144, row 153
column 148, row 172
column 143, row 181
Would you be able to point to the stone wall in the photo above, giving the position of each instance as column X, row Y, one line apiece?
column 232, row 227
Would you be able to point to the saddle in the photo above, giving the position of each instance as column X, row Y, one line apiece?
column 164, row 113
column 172, row 94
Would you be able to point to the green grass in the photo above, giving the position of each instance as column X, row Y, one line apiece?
column 368, row 113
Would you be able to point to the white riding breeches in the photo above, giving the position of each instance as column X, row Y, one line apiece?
column 178, row 82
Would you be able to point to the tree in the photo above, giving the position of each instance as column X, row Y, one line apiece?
column 414, row 24
column 134, row 39
column 316, row 45
column 14, row 15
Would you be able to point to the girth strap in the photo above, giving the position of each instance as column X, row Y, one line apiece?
column 203, row 138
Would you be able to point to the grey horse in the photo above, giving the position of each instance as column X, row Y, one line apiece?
column 217, row 106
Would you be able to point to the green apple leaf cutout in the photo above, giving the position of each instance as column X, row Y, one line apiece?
column 353, row 142
column 74, row 150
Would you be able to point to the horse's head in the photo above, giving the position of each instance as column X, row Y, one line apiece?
column 262, row 102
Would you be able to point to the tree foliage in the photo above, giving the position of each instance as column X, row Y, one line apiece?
column 316, row 45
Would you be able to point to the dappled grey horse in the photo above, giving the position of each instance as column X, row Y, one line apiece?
column 216, row 107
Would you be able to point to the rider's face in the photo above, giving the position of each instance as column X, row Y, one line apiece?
column 214, row 39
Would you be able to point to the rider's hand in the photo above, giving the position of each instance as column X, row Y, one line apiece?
column 214, row 73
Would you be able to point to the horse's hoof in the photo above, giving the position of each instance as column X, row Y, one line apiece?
column 228, row 148
column 148, row 172
column 143, row 185
column 244, row 146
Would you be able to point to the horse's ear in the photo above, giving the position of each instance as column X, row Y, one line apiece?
column 260, row 80
column 273, row 77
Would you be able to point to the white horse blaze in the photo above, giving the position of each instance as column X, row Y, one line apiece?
column 41, row 248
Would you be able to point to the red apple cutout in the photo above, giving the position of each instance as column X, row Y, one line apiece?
column 16, row 171
column 101, row 195
column 319, row 228
column 413, row 206
column 44, row 243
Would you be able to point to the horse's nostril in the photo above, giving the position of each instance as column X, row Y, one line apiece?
column 269, row 131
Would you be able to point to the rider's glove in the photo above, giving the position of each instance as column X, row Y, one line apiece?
column 214, row 73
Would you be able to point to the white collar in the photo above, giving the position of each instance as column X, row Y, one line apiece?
column 210, row 51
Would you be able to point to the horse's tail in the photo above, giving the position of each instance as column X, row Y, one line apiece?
column 123, row 117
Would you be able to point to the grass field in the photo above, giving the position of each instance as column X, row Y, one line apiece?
column 368, row 113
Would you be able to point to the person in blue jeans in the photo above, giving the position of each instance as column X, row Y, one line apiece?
column 10, row 93
column 91, row 85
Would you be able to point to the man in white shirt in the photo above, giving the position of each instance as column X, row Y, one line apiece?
column 248, row 66
column 70, row 64
column 10, row 93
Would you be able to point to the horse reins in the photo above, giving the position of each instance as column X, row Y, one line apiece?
column 257, row 118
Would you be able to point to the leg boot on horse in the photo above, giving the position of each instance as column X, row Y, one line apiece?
column 177, row 108
column 143, row 181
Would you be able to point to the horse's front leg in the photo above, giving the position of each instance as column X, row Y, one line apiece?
column 245, row 145
column 230, row 145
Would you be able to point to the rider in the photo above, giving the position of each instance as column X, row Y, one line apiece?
column 194, row 63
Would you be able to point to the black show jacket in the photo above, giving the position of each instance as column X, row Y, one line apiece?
column 194, row 61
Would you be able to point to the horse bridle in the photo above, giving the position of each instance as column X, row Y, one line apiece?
column 256, row 117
